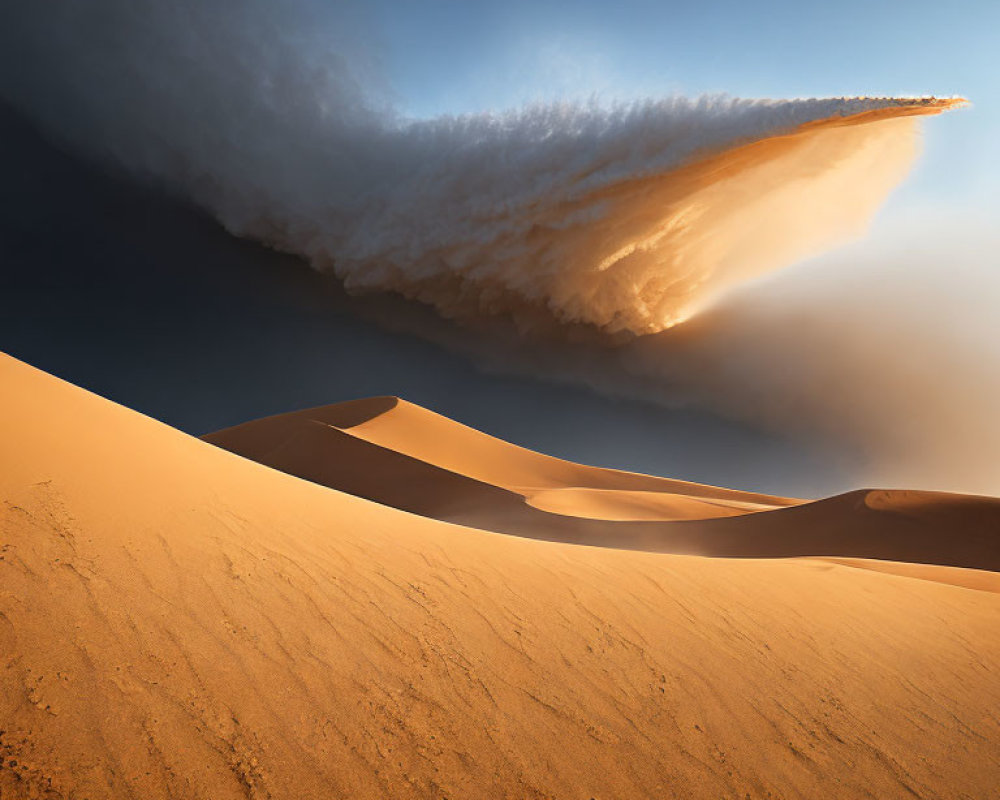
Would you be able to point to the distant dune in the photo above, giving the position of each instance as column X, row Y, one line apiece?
column 176, row 621
column 401, row 455
column 349, row 446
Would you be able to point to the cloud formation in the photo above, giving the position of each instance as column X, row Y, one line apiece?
column 614, row 221
column 623, row 218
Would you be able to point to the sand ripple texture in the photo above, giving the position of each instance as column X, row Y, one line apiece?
column 178, row 622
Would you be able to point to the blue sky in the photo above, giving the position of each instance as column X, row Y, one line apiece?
column 445, row 56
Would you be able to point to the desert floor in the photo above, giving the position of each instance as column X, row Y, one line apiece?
column 419, row 610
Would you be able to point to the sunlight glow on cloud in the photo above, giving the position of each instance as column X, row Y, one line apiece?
column 625, row 217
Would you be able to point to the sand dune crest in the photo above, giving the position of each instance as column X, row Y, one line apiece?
column 410, row 458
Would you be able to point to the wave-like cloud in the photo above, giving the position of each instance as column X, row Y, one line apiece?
column 624, row 218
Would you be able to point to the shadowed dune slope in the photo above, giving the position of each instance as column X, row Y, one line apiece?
column 401, row 455
column 179, row 622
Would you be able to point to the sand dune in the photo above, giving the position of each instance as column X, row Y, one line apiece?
column 406, row 428
column 404, row 456
column 304, row 446
column 621, row 505
column 176, row 621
